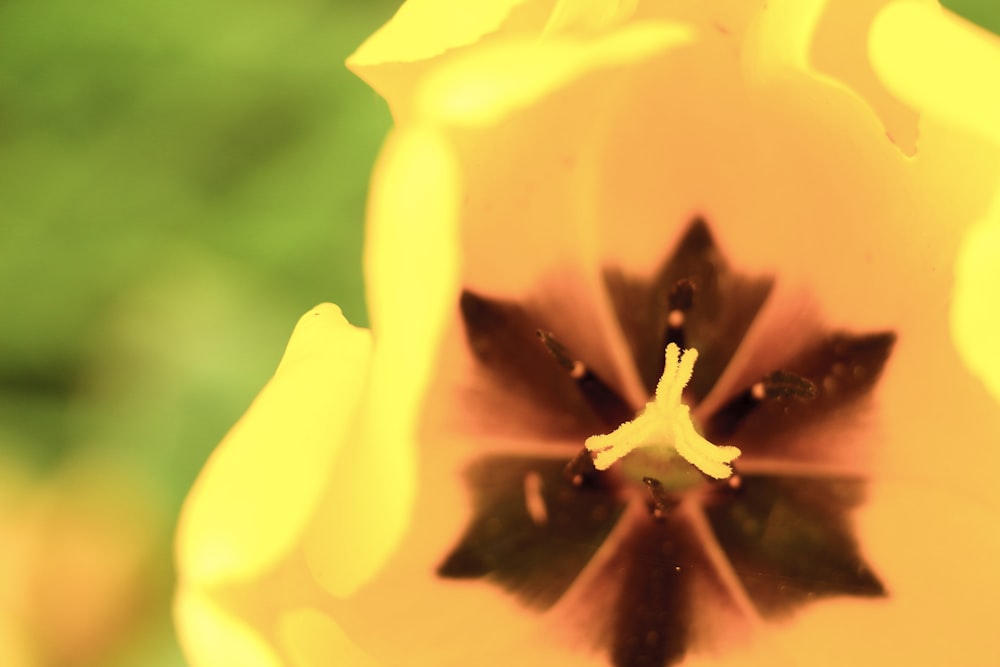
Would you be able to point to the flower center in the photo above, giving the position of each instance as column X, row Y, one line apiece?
column 662, row 436
column 659, row 451
column 774, row 537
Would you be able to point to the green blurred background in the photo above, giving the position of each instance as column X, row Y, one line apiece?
column 178, row 183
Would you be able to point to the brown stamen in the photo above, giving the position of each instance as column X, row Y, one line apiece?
column 778, row 385
column 679, row 302
column 662, row 502
column 604, row 401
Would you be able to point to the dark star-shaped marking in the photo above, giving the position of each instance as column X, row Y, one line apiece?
column 788, row 539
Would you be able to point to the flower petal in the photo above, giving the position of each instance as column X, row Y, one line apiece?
column 531, row 393
column 211, row 637
column 936, row 550
column 802, row 184
column 727, row 304
column 426, row 32
column 791, row 541
column 939, row 63
column 525, row 224
column 975, row 319
column 588, row 15
column 826, row 40
column 312, row 639
column 531, row 541
column 839, row 51
column 422, row 29
column 412, row 281
column 488, row 85
column 818, row 429
column 951, row 69
column 411, row 264
column 233, row 526
column 671, row 600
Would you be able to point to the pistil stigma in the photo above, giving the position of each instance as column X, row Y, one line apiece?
column 665, row 426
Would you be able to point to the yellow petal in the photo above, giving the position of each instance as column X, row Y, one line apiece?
column 951, row 70
column 423, row 29
column 259, row 487
column 827, row 40
column 803, row 185
column 16, row 648
column 312, row 639
column 525, row 222
column 975, row 318
column 728, row 19
column 940, row 64
column 411, row 255
column 585, row 16
column 916, row 535
column 491, row 84
column 213, row 638
column 412, row 269
column 424, row 33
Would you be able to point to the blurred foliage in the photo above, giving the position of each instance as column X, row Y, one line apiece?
column 178, row 183
column 984, row 12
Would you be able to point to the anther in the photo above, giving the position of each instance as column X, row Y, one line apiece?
column 662, row 502
column 779, row 386
column 788, row 385
column 681, row 295
column 580, row 468
column 607, row 404
column 559, row 353
column 679, row 301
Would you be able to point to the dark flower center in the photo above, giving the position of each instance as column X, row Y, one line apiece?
column 659, row 560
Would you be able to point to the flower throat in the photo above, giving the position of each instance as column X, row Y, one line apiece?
column 652, row 514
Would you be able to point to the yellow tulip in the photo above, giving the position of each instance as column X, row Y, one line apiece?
column 806, row 192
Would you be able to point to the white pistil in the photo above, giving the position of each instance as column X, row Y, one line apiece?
column 665, row 425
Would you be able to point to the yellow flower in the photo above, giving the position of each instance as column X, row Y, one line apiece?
column 806, row 192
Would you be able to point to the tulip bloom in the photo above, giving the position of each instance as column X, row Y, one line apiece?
column 678, row 355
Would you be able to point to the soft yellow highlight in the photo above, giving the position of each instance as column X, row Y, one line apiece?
column 312, row 639
column 426, row 28
column 975, row 314
column 665, row 424
column 412, row 268
column 825, row 41
column 490, row 84
column 780, row 39
column 213, row 638
column 940, row 64
column 256, row 493
column 588, row 15
column 951, row 70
